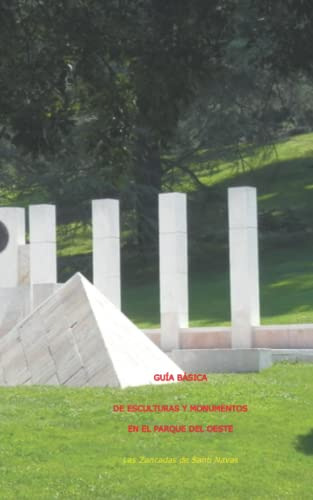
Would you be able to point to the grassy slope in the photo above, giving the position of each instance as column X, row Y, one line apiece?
column 285, row 189
column 67, row 443
column 286, row 292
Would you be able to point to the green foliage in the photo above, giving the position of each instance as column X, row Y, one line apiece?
column 122, row 99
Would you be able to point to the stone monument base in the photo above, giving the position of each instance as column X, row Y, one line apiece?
column 222, row 360
column 292, row 355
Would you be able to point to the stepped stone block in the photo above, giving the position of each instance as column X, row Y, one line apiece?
column 77, row 337
column 16, row 303
column 14, row 307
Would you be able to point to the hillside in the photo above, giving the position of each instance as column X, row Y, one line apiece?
column 283, row 177
column 284, row 182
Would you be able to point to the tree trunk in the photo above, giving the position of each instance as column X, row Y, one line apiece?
column 148, row 178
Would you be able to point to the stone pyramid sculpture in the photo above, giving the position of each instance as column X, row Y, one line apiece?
column 79, row 338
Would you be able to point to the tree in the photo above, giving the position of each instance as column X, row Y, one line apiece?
column 119, row 72
column 96, row 97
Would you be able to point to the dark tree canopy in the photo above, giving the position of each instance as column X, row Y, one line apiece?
column 96, row 97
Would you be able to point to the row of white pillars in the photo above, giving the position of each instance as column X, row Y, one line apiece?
column 173, row 255
column 33, row 264
column 244, row 266
column 36, row 263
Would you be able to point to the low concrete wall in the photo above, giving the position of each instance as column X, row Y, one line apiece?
column 271, row 337
column 292, row 355
column 222, row 360
column 205, row 337
column 197, row 337
column 284, row 336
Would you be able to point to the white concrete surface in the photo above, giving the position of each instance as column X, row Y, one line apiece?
column 23, row 264
column 173, row 258
column 292, row 355
column 106, row 249
column 42, row 291
column 42, row 236
column 14, row 306
column 222, row 360
column 14, row 220
column 244, row 264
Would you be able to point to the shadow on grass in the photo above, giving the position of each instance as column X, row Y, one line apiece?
column 304, row 444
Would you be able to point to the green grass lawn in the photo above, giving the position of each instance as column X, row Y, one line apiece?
column 67, row 443
column 286, row 286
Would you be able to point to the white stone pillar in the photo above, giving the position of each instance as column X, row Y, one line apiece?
column 244, row 264
column 13, row 226
column 106, row 249
column 173, row 267
column 42, row 237
column 24, row 264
